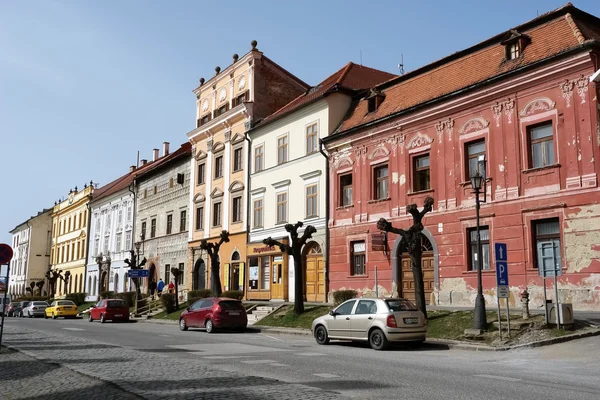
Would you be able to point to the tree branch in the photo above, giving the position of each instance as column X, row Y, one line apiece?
column 283, row 247
column 307, row 234
column 386, row 226
column 427, row 206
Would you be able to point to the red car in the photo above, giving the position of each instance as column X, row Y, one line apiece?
column 110, row 309
column 214, row 313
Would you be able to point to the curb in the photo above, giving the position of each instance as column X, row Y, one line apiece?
column 157, row 321
column 284, row 331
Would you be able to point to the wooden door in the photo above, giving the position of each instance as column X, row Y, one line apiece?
column 408, row 283
column 315, row 279
column 277, row 281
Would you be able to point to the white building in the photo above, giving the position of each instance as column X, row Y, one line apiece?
column 288, row 180
column 31, row 247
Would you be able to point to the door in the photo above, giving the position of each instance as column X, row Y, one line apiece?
column 339, row 324
column 363, row 318
column 205, row 310
column 277, row 280
column 235, row 277
column 315, row 279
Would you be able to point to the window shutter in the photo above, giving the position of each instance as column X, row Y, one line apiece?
column 241, row 281
column 226, row 276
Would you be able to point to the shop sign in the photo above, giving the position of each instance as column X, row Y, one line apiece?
column 378, row 242
column 264, row 249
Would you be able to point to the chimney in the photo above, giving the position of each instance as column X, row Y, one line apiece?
column 165, row 148
column 144, row 162
column 155, row 154
column 132, row 168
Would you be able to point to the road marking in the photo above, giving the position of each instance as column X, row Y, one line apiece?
column 279, row 365
column 500, row 378
column 165, row 335
column 258, row 361
column 229, row 349
column 271, row 337
column 325, row 375
column 224, row 357
column 309, row 354
column 73, row 329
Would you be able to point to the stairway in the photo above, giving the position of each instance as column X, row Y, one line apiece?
column 258, row 313
column 147, row 308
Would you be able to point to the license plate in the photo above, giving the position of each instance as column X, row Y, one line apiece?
column 234, row 313
column 411, row 320
column 118, row 315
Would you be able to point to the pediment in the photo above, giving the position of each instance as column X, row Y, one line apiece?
column 201, row 155
column 218, row 147
column 536, row 105
column 237, row 138
column 473, row 125
column 379, row 151
column 418, row 140
column 236, row 186
column 216, row 193
column 199, row 198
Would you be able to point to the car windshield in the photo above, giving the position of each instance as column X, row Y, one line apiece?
column 25, row 303
column 231, row 305
column 40, row 303
column 65, row 303
column 115, row 304
column 401, row 305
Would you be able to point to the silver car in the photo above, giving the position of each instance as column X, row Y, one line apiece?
column 35, row 309
column 378, row 321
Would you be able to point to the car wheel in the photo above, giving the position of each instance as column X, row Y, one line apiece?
column 45, row 316
column 102, row 320
column 90, row 319
column 377, row 340
column 209, row 326
column 321, row 335
column 53, row 316
column 182, row 325
column 29, row 315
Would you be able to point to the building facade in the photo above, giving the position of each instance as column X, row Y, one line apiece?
column 523, row 101
column 161, row 214
column 288, row 183
column 70, row 221
column 31, row 247
column 251, row 88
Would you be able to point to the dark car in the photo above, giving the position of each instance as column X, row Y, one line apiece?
column 10, row 309
column 110, row 310
column 18, row 312
column 214, row 313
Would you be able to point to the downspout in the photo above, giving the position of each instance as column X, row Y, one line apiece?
column 248, row 210
column 87, row 245
column 327, row 201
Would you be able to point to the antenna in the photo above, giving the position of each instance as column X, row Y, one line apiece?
column 401, row 64
column 137, row 164
column 361, row 57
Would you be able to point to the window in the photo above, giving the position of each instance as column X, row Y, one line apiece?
column 201, row 173
column 96, row 247
column 484, row 234
column 358, row 258
column 153, row 228
column 282, row 149
column 547, row 244
column 312, row 136
column 182, row 274
column 312, row 206
column 242, row 98
column 421, row 173
column 237, row 159
column 236, row 215
column 127, row 241
column 169, row 224
column 129, row 213
column 258, row 213
column 346, row 308
column 259, row 153
column 541, row 140
column 120, row 218
column 183, row 221
column 265, row 271
column 218, row 167
column 143, row 230
column 105, row 247
column 221, row 110
column 167, row 273
column 366, row 307
column 203, row 120
column 217, row 214
column 281, row 208
column 346, row 190
column 474, row 150
column 119, row 240
column 513, row 50
column 199, row 218
column 381, row 182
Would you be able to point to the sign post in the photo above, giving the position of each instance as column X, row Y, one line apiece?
column 6, row 254
column 503, row 291
column 138, row 273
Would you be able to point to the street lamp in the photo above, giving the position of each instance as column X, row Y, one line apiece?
column 477, row 182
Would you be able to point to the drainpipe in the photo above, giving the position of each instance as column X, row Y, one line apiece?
column 87, row 245
column 327, row 201
column 248, row 208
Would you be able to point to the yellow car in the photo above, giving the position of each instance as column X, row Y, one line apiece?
column 61, row 308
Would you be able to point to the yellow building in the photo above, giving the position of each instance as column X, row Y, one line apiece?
column 68, row 251
column 249, row 89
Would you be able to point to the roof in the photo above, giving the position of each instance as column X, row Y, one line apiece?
column 551, row 34
column 351, row 77
column 124, row 181
column 44, row 211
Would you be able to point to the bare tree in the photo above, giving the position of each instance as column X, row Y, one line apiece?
column 40, row 285
column 132, row 262
column 176, row 274
column 412, row 240
column 213, row 253
column 31, row 287
column 53, row 275
column 295, row 250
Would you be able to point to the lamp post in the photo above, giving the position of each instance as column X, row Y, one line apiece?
column 479, row 316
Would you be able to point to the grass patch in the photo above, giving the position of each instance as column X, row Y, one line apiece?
column 174, row 316
column 84, row 306
column 285, row 317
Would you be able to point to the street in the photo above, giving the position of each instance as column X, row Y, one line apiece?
column 156, row 360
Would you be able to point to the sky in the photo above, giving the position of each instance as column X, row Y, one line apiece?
column 85, row 85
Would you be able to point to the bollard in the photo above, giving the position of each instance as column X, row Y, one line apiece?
column 525, row 303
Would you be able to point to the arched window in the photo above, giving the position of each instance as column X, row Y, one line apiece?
column 89, row 286
column 125, row 283
column 235, row 256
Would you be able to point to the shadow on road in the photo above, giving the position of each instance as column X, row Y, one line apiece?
column 395, row 347
column 354, row 384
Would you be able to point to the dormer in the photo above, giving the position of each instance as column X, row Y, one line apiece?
column 374, row 99
column 514, row 44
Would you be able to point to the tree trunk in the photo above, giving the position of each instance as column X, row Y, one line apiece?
column 298, row 284
column 417, row 271
column 176, row 293
column 215, row 279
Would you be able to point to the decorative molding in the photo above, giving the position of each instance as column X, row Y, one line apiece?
column 242, row 82
column 258, row 190
column 418, row 140
column 236, row 186
column 209, row 144
column 566, row 88
column 200, row 155
column 509, row 106
column 237, row 138
column 393, row 141
column 497, row 110
column 537, row 105
column 439, row 127
column 218, row 147
column 582, row 87
column 216, row 193
column 473, row 125
column 379, row 151
column 280, row 184
column 205, row 105
column 227, row 134
column 341, row 158
column 222, row 95
column 312, row 174
column 449, row 128
column 343, row 162
column 361, row 152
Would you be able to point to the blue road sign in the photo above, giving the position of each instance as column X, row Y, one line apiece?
column 500, row 251
column 138, row 273
column 502, row 273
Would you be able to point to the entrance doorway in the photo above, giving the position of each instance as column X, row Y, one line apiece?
column 314, row 279
column 278, row 280
column 199, row 279
column 151, row 277
column 427, row 265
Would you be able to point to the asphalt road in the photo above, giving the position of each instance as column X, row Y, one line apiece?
column 569, row 370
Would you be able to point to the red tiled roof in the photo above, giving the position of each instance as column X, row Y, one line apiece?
column 124, row 181
column 351, row 77
column 550, row 34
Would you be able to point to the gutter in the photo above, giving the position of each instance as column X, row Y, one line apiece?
column 327, row 208
column 595, row 77
column 248, row 200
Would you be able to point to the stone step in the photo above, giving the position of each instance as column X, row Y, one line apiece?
column 265, row 308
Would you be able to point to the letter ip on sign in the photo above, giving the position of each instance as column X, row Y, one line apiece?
column 6, row 254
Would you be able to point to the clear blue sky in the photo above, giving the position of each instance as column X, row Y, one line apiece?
column 84, row 85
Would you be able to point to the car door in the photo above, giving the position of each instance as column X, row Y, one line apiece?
column 51, row 309
column 363, row 317
column 97, row 310
column 193, row 315
column 339, row 324
column 205, row 311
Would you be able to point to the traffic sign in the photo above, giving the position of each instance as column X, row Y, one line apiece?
column 501, row 273
column 500, row 251
column 138, row 273
column 6, row 254
column 503, row 292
